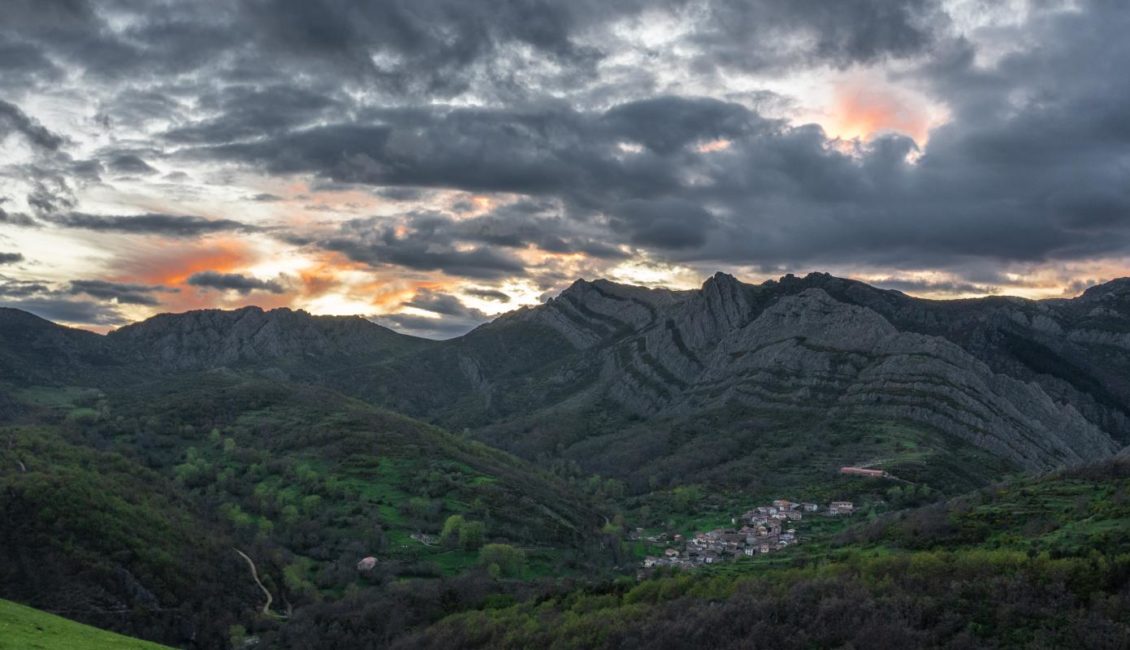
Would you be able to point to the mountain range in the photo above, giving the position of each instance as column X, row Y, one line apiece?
column 133, row 463
column 1035, row 383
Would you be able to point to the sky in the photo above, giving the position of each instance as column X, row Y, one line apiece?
column 430, row 164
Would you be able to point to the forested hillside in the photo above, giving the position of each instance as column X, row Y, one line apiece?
column 133, row 509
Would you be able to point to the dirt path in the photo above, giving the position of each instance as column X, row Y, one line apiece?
column 255, row 574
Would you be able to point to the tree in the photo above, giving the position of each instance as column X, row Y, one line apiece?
column 450, row 533
column 502, row 559
column 471, row 535
column 687, row 497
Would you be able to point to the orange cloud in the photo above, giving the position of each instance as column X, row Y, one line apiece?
column 863, row 109
column 333, row 284
column 713, row 146
column 160, row 265
column 172, row 265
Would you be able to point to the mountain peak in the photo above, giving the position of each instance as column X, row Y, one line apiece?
column 1117, row 288
column 721, row 279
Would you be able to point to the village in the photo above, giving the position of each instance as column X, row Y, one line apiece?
column 764, row 529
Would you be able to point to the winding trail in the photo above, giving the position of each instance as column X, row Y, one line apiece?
column 255, row 574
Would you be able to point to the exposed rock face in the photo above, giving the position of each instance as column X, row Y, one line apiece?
column 1018, row 378
column 214, row 338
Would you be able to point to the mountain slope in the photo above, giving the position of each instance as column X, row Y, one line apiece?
column 1036, row 383
column 212, row 338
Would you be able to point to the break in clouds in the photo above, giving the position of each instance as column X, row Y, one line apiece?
column 433, row 163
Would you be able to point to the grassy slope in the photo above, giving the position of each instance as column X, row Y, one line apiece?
column 24, row 628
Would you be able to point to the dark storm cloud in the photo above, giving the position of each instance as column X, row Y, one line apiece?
column 11, row 288
column 90, row 170
column 167, row 225
column 11, row 258
column 667, row 124
column 402, row 193
column 787, row 34
column 23, row 65
column 130, row 164
column 122, row 293
column 17, row 219
column 50, row 192
column 233, row 282
column 415, row 253
column 516, row 225
column 453, row 318
column 923, row 286
column 245, row 112
column 55, row 304
column 438, row 47
column 488, row 294
column 662, row 223
column 424, row 244
column 545, row 151
column 14, row 120
column 777, row 194
column 441, row 303
column 82, row 312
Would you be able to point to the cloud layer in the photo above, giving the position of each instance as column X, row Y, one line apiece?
column 434, row 163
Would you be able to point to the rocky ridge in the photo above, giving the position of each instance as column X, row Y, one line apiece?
column 1040, row 383
column 834, row 347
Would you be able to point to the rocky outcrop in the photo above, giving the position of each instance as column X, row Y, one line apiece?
column 1015, row 377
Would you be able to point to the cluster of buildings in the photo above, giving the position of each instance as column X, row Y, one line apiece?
column 764, row 529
